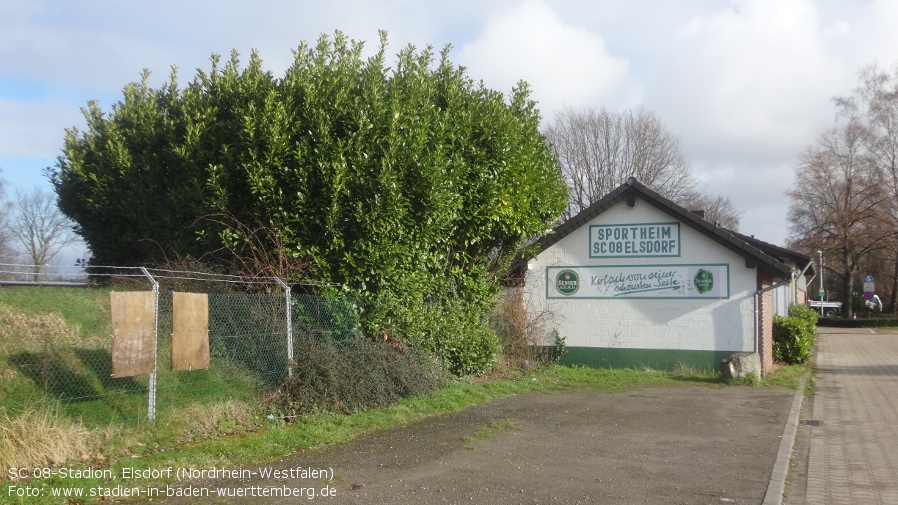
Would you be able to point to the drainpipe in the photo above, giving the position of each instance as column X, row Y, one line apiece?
column 757, row 299
column 792, row 290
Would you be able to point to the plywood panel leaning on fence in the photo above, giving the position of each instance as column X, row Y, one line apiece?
column 190, row 331
column 133, row 333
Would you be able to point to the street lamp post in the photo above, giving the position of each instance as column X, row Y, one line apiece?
column 820, row 254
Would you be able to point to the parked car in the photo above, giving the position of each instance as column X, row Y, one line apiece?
column 829, row 308
column 875, row 304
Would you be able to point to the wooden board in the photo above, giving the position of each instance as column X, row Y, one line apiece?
column 190, row 331
column 133, row 333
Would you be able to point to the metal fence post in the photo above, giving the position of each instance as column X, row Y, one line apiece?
column 290, row 362
column 151, row 404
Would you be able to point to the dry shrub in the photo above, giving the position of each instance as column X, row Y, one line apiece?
column 259, row 249
column 42, row 438
column 527, row 337
column 354, row 375
column 190, row 275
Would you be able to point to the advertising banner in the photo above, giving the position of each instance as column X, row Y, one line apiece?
column 639, row 281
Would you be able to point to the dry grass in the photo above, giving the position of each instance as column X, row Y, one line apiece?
column 206, row 421
column 684, row 370
column 21, row 330
column 42, row 438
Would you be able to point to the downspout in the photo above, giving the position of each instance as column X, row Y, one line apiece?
column 793, row 294
column 757, row 300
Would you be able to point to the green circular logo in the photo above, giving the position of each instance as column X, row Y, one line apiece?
column 567, row 282
column 704, row 281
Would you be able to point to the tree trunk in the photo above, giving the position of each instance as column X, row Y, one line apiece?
column 893, row 299
column 847, row 284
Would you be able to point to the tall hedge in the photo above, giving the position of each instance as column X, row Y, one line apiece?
column 406, row 181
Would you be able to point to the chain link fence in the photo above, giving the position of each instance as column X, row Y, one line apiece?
column 59, row 349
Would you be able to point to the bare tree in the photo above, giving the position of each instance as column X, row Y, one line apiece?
column 40, row 227
column 717, row 209
column 836, row 199
column 599, row 149
column 874, row 104
column 7, row 251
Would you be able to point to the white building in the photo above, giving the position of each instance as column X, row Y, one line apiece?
column 636, row 280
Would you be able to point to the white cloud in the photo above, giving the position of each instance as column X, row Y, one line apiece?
column 879, row 38
column 565, row 65
column 747, row 88
column 747, row 82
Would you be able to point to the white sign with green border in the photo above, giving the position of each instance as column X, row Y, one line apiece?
column 637, row 240
column 639, row 281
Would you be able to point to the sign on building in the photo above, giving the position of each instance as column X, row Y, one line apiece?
column 638, row 240
column 639, row 281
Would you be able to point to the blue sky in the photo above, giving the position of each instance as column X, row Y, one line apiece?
column 745, row 84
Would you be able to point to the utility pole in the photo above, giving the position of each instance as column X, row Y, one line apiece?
column 822, row 292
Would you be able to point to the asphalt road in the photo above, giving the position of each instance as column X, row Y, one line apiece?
column 689, row 444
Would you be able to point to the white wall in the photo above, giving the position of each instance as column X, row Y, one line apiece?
column 782, row 298
column 670, row 323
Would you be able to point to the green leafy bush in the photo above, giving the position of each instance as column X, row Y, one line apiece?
column 337, row 317
column 453, row 331
column 404, row 180
column 794, row 335
column 804, row 312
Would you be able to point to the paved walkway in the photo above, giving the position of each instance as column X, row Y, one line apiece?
column 854, row 453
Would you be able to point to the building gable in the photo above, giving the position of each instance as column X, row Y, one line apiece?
column 635, row 193
column 637, row 280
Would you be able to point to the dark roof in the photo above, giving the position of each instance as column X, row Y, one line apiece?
column 780, row 253
column 633, row 189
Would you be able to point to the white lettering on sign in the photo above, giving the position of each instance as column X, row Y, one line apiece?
column 634, row 240
column 640, row 281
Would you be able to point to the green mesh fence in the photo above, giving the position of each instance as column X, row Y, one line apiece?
column 247, row 347
column 326, row 317
column 44, row 360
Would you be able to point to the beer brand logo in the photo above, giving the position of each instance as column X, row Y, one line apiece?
column 567, row 282
column 704, row 281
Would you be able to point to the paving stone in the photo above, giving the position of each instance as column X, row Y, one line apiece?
column 854, row 454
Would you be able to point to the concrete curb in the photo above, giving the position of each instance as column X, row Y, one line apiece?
column 780, row 472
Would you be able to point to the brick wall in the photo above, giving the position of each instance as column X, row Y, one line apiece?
column 766, row 311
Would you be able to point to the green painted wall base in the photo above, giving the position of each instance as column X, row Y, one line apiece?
column 656, row 359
